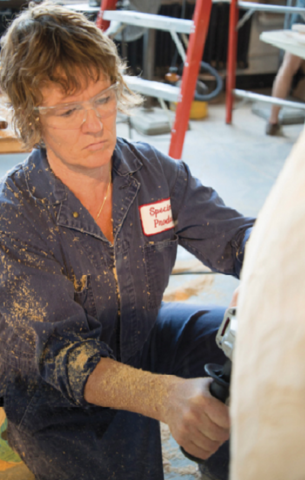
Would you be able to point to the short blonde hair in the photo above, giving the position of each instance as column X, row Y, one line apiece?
column 50, row 43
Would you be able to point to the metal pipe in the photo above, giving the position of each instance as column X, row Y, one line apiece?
column 290, row 3
column 178, row 44
column 266, row 99
column 148, row 20
column 244, row 19
column 269, row 8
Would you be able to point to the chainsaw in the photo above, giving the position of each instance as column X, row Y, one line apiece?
column 221, row 374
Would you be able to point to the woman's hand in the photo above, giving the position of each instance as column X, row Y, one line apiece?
column 198, row 422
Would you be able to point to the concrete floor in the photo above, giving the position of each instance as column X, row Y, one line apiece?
column 241, row 163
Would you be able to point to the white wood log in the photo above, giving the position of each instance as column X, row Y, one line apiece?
column 268, row 385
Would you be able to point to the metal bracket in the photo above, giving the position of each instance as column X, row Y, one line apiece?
column 178, row 44
column 245, row 18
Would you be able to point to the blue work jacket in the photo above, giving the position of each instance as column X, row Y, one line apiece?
column 70, row 297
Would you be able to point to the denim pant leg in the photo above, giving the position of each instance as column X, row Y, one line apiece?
column 181, row 343
column 99, row 444
column 183, row 340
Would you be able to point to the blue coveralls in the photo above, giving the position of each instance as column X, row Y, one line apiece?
column 63, row 308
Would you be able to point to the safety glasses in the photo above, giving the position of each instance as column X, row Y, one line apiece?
column 72, row 115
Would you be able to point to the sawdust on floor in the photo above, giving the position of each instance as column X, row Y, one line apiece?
column 172, row 455
column 188, row 289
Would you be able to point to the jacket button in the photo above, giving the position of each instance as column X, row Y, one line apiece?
column 75, row 214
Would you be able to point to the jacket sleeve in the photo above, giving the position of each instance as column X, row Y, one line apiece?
column 205, row 226
column 44, row 332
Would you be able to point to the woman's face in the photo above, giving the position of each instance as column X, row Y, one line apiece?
column 86, row 147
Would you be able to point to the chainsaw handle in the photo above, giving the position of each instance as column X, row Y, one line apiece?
column 219, row 388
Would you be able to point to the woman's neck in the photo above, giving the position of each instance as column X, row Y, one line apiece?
column 88, row 185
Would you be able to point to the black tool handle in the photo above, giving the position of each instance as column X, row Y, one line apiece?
column 219, row 388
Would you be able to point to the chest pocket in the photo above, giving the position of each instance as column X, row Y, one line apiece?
column 83, row 295
column 159, row 258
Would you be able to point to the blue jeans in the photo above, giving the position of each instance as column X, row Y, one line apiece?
column 298, row 17
column 100, row 443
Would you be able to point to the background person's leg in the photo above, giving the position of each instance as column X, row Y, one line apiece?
column 281, row 86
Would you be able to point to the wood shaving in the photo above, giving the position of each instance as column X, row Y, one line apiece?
column 188, row 289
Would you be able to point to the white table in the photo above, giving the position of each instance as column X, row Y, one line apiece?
column 287, row 40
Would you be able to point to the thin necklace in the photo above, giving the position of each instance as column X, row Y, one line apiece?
column 105, row 197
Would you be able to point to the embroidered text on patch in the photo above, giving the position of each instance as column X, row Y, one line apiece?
column 156, row 217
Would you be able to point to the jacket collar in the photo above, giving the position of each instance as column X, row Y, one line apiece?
column 44, row 186
column 125, row 159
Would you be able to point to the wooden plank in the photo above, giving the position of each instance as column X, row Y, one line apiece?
column 9, row 143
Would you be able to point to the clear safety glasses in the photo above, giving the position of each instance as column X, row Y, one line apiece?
column 72, row 115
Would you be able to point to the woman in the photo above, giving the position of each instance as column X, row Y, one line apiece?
column 90, row 360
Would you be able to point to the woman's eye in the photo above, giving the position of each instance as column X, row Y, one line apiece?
column 102, row 100
column 66, row 113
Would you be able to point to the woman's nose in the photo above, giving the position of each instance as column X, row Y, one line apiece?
column 92, row 121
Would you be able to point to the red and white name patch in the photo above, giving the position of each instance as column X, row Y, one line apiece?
column 156, row 217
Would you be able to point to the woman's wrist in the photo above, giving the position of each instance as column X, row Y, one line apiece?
column 115, row 385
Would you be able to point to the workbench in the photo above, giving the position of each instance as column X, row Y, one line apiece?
column 288, row 40
column 9, row 142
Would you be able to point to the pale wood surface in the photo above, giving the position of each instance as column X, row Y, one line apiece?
column 9, row 143
column 268, row 385
column 293, row 42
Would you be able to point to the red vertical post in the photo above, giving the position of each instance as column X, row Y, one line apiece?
column 197, row 39
column 105, row 5
column 231, row 62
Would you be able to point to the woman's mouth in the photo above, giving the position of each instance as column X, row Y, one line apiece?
column 96, row 145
